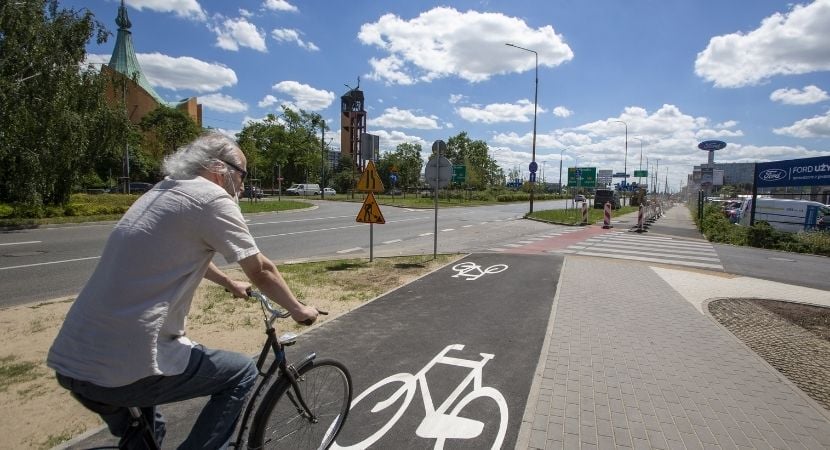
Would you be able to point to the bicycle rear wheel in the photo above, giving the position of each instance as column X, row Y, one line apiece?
column 280, row 421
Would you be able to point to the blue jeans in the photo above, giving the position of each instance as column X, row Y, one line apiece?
column 226, row 377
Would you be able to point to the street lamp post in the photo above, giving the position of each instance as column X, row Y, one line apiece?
column 625, row 162
column 535, row 104
column 639, row 179
column 322, row 158
column 560, row 170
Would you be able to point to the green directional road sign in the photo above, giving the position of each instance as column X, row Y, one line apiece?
column 587, row 177
column 640, row 173
column 459, row 174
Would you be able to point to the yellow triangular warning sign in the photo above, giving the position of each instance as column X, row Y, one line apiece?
column 370, row 180
column 370, row 211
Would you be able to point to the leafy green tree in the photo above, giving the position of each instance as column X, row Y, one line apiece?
column 482, row 170
column 55, row 124
column 165, row 130
column 289, row 141
column 407, row 162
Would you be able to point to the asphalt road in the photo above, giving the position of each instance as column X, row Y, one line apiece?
column 495, row 319
column 50, row 262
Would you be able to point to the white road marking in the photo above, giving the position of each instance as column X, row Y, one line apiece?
column 448, row 229
column 349, row 250
column 424, row 234
column 47, row 263
column 21, row 243
column 392, row 241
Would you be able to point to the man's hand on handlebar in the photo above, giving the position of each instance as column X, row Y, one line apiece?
column 239, row 289
column 306, row 315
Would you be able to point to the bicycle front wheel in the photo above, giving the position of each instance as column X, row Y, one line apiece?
column 281, row 422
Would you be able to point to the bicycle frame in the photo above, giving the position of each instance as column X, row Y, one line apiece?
column 278, row 366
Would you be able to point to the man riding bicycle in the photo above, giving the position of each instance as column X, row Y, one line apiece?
column 123, row 342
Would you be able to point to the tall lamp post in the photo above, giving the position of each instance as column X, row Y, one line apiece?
column 560, row 170
column 625, row 162
column 639, row 179
column 535, row 104
column 322, row 158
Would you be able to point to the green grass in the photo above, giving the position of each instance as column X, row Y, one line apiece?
column 14, row 372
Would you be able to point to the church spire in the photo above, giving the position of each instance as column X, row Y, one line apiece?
column 124, row 60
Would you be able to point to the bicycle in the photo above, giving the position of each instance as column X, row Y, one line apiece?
column 438, row 423
column 318, row 392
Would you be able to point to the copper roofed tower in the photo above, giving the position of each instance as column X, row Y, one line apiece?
column 123, row 58
column 129, row 83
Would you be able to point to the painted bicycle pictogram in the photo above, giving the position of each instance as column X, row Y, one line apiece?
column 472, row 271
column 438, row 423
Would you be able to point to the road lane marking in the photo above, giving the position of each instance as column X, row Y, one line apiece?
column 392, row 241
column 448, row 229
column 50, row 262
column 350, row 250
column 21, row 243
column 424, row 234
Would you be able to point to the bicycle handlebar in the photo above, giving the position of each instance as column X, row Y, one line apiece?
column 276, row 312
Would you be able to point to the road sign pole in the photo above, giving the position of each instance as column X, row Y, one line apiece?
column 435, row 224
column 371, row 241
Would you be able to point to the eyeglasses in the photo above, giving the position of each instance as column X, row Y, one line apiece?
column 233, row 166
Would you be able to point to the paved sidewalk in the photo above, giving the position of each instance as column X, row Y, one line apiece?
column 636, row 365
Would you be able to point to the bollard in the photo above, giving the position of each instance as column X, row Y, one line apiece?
column 640, row 228
column 606, row 221
column 584, row 213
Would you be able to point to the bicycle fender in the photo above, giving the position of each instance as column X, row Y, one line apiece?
column 309, row 358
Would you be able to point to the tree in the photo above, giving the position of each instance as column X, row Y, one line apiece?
column 407, row 162
column 482, row 170
column 54, row 123
column 165, row 130
column 288, row 140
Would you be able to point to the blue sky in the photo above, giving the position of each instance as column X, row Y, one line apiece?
column 753, row 73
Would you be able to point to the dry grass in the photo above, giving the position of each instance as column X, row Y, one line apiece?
column 36, row 413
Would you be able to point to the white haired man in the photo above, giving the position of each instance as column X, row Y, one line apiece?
column 123, row 342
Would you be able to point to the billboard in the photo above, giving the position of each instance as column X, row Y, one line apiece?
column 793, row 172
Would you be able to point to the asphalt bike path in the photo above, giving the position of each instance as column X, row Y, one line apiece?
column 453, row 354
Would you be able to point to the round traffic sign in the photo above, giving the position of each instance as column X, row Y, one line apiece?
column 438, row 172
column 533, row 167
column 439, row 146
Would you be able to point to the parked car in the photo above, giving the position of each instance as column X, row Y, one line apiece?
column 326, row 191
column 606, row 195
column 579, row 198
column 136, row 187
column 303, row 189
column 252, row 192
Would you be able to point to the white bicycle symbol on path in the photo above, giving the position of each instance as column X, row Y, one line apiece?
column 472, row 271
column 437, row 423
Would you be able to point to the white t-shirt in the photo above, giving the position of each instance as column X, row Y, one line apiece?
column 129, row 320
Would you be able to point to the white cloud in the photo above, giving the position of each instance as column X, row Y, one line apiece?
column 289, row 35
column 521, row 111
column 305, row 96
column 188, row 9
column 795, row 42
column 809, row 95
column 267, row 101
column 455, row 98
column 444, row 42
column 179, row 73
column 235, row 33
column 815, row 127
column 389, row 140
column 561, row 111
column 223, row 103
column 401, row 118
column 727, row 124
column 279, row 5
column 245, row 13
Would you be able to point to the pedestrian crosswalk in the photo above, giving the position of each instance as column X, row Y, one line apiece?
column 648, row 248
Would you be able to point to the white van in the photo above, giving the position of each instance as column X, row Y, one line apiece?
column 791, row 216
column 303, row 189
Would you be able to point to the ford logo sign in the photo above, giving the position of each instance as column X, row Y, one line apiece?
column 773, row 174
column 711, row 145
